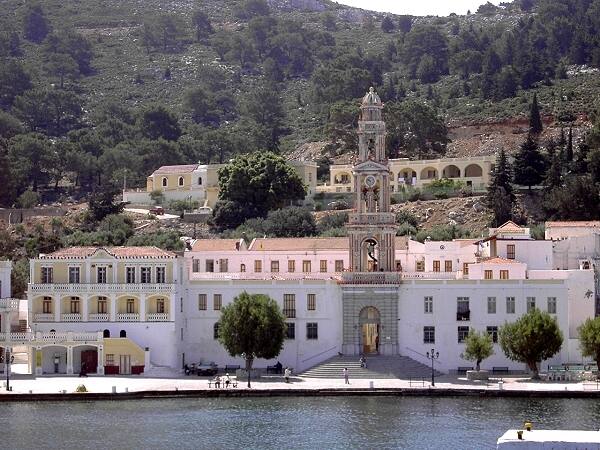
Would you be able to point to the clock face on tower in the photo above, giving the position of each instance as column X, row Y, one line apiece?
column 370, row 181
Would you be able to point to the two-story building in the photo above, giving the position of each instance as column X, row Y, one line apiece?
column 200, row 182
column 119, row 292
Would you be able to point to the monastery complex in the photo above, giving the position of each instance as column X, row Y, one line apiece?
column 129, row 309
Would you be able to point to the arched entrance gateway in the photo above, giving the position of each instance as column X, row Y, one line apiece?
column 370, row 290
column 370, row 322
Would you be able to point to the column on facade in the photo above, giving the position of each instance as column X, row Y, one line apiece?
column 69, row 359
column 4, row 323
column 143, row 307
column 100, row 368
column 85, row 308
column 57, row 306
column 113, row 308
column 172, row 306
column 38, row 360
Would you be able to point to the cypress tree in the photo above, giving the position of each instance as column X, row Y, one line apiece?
column 554, row 173
column 569, row 148
column 535, row 120
column 529, row 166
column 500, row 195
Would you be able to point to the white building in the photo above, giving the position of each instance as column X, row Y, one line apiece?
column 371, row 293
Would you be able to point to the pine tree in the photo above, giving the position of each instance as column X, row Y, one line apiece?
column 554, row 173
column 35, row 24
column 500, row 195
column 535, row 121
column 529, row 165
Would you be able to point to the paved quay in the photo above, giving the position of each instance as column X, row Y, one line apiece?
column 444, row 385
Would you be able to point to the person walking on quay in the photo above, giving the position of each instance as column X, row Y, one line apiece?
column 345, row 372
column 286, row 374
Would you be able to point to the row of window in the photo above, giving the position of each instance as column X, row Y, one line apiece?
column 180, row 181
column 289, row 303
column 463, row 332
column 101, row 304
column 312, row 330
column 210, row 265
column 463, row 310
column 160, row 275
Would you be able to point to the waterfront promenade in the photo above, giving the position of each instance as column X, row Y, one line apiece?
column 25, row 384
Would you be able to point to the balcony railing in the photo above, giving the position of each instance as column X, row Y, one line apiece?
column 71, row 317
column 463, row 315
column 429, row 275
column 50, row 337
column 43, row 317
column 158, row 317
column 9, row 303
column 289, row 313
column 100, row 317
column 371, row 278
column 128, row 317
column 103, row 288
column 371, row 218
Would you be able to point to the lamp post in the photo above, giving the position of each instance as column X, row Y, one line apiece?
column 433, row 356
column 7, row 361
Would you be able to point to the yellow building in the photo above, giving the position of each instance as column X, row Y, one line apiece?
column 116, row 292
column 473, row 172
column 200, row 182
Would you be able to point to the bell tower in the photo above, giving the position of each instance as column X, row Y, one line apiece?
column 371, row 227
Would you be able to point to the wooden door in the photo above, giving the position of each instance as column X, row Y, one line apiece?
column 90, row 359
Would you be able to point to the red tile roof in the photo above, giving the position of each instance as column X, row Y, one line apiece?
column 117, row 252
column 509, row 226
column 591, row 224
column 215, row 245
column 311, row 244
column 164, row 170
column 499, row 260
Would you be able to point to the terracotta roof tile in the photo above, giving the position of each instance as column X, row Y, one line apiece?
column 591, row 224
column 117, row 252
column 214, row 245
column 296, row 244
column 509, row 226
column 499, row 260
column 311, row 244
column 164, row 170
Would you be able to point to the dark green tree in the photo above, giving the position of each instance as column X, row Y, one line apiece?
column 32, row 158
column 416, row 129
column 102, row 202
column 156, row 121
column 578, row 199
column 478, row 346
column 293, row 221
column 263, row 105
column 202, row 25
column 251, row 327
column 8, row 192
column 261, row 180
column 328, row 21
column 35, row 24
column 593, row 164
column 253, row 8
column 569, row 147
column 531, row 339
column 14, row 81
column 388, row 25
column 535, row 121
column 589, row 338
column 529, row 165
column 500, row 196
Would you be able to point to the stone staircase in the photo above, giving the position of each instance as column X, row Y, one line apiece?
column 379, row 366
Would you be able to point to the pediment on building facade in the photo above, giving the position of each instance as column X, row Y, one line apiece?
column 370, row 166
column 101, row 253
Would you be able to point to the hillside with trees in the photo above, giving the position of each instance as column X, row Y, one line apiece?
column 97, row 95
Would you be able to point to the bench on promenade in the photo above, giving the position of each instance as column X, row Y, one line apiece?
column 500, row 369
column 231, row 367
column 463, row 369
